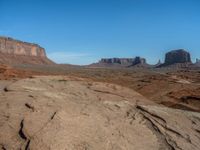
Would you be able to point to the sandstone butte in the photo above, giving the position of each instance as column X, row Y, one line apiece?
column 17, row 52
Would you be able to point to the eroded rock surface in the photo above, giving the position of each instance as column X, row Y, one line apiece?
column 17, row 52
column 73, row 113
column 16, row 47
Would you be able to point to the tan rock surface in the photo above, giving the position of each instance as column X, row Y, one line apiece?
column 12, row 46
column 18, row 52
column 75, row 114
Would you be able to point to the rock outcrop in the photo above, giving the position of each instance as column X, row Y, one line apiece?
column 16, row 47
column 159, row 63
column 76, row 114
column 177, row 56
column 18, row 52
column 197, row 63
column 123, row 61
column 139, row 60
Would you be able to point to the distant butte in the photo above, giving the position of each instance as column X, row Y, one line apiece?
column 177, row 56
column 121, row 62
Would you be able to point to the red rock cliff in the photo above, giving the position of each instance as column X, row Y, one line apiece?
column 16, row 47
column 17, row 52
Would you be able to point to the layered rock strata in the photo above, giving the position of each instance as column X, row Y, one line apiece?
column 17, row 52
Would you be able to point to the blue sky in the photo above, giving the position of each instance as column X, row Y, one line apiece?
column 83, row 31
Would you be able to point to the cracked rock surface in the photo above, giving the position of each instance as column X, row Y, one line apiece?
column 58, row 113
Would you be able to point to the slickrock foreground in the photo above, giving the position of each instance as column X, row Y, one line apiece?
column 69, row 113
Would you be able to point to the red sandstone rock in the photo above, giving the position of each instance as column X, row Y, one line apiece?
column 17, row 52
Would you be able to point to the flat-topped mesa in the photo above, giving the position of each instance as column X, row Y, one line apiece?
column 123, row 61
column 117, row 60
column 16, row 47
column 15, row 52
column 177, row 56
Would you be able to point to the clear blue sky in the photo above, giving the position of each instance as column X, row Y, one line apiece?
column 83, row 31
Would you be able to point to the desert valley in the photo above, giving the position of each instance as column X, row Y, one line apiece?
column 114, row 104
